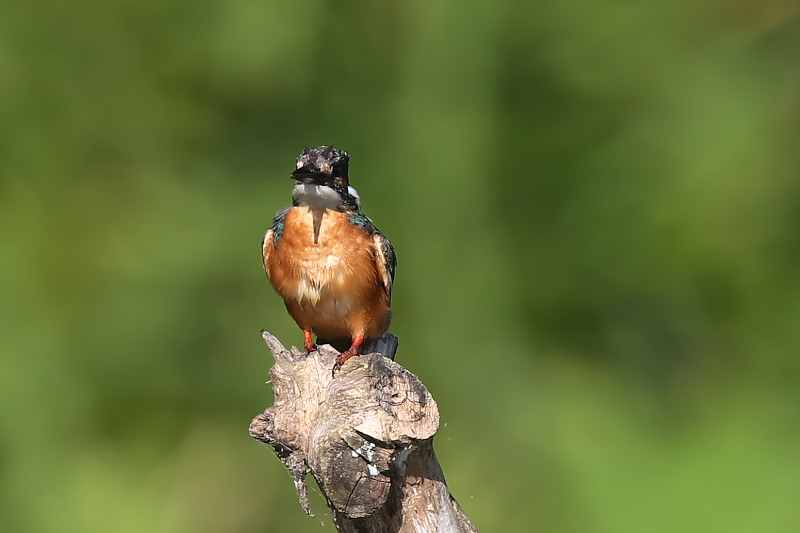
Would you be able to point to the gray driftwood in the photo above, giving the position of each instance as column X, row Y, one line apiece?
column 366, row 435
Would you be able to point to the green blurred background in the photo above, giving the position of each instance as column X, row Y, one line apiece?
column 595, row 205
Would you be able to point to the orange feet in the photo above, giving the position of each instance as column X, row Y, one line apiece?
column 309, row 341
column 358, row 340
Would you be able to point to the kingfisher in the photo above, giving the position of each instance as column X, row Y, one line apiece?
column 333, row 268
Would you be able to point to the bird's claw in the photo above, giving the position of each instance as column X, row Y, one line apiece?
column 342, row 359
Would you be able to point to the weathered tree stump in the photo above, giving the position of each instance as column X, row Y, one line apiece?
column 366, row 435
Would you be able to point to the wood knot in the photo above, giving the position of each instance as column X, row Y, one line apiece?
column 262, row 428
column 397, row 391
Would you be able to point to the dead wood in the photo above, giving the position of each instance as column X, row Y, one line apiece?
column 366, row 435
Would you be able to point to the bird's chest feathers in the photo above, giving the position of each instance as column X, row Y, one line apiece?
column 323, row 253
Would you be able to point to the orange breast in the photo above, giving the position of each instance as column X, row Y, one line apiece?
column 325, row 269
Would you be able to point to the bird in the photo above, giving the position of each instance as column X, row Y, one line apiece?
column 328, row 261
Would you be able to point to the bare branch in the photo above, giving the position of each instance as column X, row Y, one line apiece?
column 366, row 435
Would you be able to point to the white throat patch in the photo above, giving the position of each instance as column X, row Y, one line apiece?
column 321, row 197
column 316, row 196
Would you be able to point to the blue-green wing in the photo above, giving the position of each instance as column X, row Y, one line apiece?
column 275, row 233
column 387, row 261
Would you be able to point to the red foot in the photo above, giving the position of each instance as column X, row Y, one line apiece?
column 358, row 340
column 309, row 341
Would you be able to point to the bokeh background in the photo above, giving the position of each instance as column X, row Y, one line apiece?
column 596, row 210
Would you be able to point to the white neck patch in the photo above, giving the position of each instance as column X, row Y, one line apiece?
column 354, row 194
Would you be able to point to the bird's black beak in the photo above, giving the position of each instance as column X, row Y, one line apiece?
column 309, row 175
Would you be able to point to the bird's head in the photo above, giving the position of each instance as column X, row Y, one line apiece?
column 322, row 179
column 322, row 166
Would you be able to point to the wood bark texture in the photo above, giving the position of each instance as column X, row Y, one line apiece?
column 365, row 434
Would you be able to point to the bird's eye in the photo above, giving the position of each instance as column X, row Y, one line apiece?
column 340, row 169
